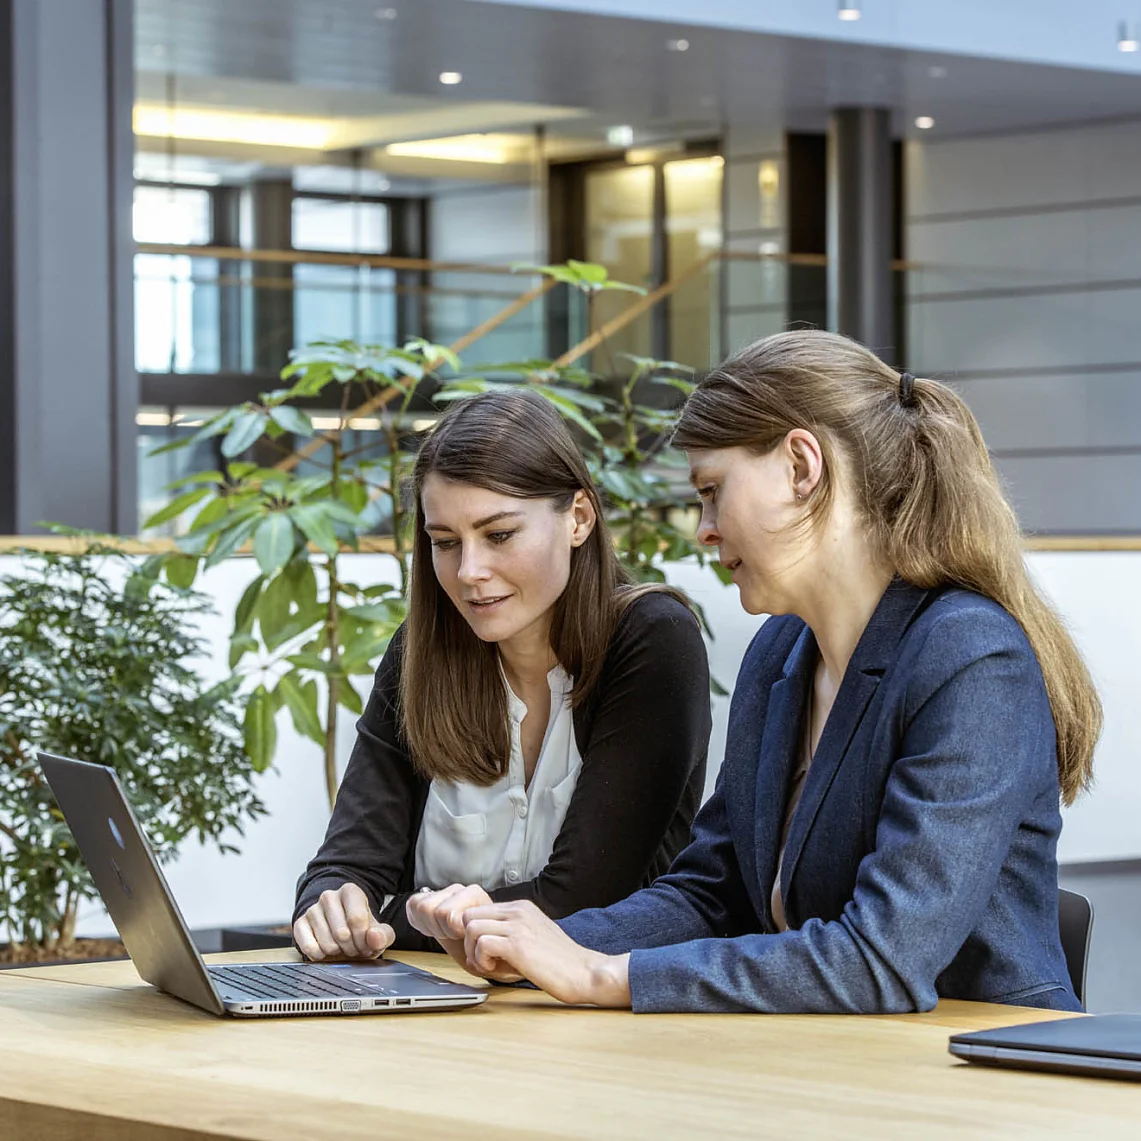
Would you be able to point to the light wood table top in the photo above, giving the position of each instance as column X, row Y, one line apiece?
column 90, row 1053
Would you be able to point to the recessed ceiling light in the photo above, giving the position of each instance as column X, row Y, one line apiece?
column 677, row 45
column 925, row 122
column 620, row 136
column 450, row 78
column 385, row 13
column 937, row 72
column 1126, row 38
column 848, row 10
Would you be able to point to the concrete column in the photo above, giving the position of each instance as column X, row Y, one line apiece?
column 271, row 203
column 68, row 387
column 860, row 190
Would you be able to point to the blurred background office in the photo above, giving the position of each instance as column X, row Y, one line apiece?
column 191, row 188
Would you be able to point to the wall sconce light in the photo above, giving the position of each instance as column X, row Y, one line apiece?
column 1126, row 37
column 849, row 10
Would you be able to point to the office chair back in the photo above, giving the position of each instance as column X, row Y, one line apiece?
column 1075, row 924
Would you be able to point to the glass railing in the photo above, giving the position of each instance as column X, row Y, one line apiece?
column 204, row 311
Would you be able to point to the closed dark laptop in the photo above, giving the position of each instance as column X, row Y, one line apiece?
column 1101, row 1045
column 152, row 928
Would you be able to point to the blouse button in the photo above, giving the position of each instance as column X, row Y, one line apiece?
column 521, row 809
column 512, row 876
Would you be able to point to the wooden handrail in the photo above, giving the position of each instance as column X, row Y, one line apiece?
column 315, row 257
column 427, row 265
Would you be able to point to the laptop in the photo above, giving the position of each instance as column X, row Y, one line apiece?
column 136, row 894
column 1100, row 1045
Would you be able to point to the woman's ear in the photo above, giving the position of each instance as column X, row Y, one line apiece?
column 806, row 460
column 584, row 518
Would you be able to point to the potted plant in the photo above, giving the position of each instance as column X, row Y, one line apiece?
column 98, row 662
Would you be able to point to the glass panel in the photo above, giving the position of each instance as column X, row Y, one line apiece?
column 340, row 226
column 174, row 214
column 619, row 228
column 693, row 231
column 176, row 313
column 339, row 302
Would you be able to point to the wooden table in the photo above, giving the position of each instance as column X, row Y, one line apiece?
column 90, row 1053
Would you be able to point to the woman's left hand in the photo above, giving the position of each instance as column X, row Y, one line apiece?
column 518, row 939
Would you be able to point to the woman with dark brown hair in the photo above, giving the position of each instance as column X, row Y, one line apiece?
column 884, row 828
column 538, row 727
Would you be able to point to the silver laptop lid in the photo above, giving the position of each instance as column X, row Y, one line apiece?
column 129, row 879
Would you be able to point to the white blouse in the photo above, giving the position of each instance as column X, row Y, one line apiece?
column 503, row 834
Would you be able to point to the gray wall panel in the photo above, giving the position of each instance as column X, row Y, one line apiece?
column 1028, row 297
column 1093, row 494
column 1072, row 411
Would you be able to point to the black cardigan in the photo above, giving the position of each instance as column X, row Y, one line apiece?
column 643, row 737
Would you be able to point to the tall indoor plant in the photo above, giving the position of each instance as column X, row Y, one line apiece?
column 99, row 663
column 302, row 632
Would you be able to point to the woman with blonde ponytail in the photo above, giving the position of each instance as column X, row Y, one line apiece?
column 903, row 729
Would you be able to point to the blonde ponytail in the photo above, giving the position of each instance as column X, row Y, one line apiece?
column 923, row 480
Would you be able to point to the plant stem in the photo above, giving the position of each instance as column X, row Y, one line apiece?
column 332, row 625
column 333, row 632
column 66, row 937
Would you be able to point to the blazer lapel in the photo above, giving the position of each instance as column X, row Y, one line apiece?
column 777, row 759
column 872, row 656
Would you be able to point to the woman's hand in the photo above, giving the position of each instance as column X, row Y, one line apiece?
column 341, row 925
column 440, row 914
column 518, row 939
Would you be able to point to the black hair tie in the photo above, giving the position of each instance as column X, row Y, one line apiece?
column 907, row 390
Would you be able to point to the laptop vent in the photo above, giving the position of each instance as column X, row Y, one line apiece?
column 313, row 1006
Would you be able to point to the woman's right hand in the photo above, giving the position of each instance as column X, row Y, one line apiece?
column 440, row 915
column 341, row 925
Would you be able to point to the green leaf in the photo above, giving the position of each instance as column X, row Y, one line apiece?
column 240, row 646
column 273, row 542
column 310, row 662
column 349, row 698
column 213, row 427
column 259, row 729
column 302, row 705
column 177, row 506
column 213, row 511
column 181, row 571
column 273, row 610
column 302, row 582
column 198, row 477
column 248, row 427
column 716, row 688
column 291, row 419
column 229, row 541
column 315, row 526
column 589, row 272
column 371, row 612
column 354, row 494
column 244, row 615
column 568, row 411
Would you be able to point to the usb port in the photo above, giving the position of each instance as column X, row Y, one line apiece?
column 402, row 1002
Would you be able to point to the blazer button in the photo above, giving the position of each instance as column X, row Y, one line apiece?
column 512, row 876
column 521, row 808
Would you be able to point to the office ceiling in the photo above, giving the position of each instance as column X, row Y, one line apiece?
column 582, row 72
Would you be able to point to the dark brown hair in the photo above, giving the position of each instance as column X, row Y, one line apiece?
column 453, row 705
column 922, row 480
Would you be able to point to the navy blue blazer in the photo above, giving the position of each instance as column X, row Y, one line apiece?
column 921, row 859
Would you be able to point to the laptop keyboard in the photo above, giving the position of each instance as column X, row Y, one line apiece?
column 289, row 980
